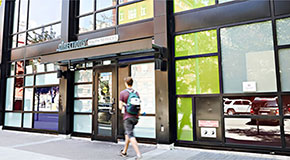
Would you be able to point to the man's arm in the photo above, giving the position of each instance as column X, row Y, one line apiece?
column 121, row 104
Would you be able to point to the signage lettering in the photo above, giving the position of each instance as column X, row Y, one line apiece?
column 65, row 46
column 72, row 45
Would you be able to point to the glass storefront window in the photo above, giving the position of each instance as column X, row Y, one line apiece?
column 12, row 69
column 83, row 76
column 101, row 4
column 23, row 15
column 13, row 119
column 247, row 131
column 40, row 68
column 125, row 1
column 283, row 32
column 21, row 40
column 27, row 120
column 267, row 106
column 16, row 11
column 248, row 56
column 29, row 69
column 287, row 132
column 284, row 56
column 196, row 43
column 146, row 127
column 40, row 12
column 14, row 41
column 83, row 105
column 144, row 82
column 136, row 11
column 9, row 94
column 286, row 105
column 183, row 5
column 31, row 66
column 83, row 90
column 86, row 24
column 83, row 123
column 18, row 95
column 106, row 19
column 28, row 99
column 197, row 76
column 44, row 34
column 29, row 80
column 45, row 121
column 39, row 15
column 50, row 67
column 19, row 67
column 46, row 99
column 184, row 119
column 86, row 6
column 47, row 79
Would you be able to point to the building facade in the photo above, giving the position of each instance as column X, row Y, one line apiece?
column 211, row 73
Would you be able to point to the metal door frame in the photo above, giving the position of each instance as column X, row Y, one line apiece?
column 96, row 71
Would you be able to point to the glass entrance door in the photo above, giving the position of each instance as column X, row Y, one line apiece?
column 105, row 106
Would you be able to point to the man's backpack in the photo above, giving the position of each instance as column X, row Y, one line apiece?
column 133, row 103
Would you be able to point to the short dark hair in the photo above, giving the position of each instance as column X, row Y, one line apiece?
column 129, row 81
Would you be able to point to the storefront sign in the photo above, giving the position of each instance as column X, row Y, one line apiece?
column 205, row 123
column 103, row 40
column 208, row 132
column 86, row 43
column 72, row 45
column 249, row 87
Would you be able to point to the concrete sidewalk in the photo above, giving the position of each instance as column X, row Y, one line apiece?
column 35, row 146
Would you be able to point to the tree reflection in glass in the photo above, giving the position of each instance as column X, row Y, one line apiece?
column 241, row 130
column 184, row 119
column 196, row 43
column 44, row 34
column 46, row 99
column 197, row 76
column 183, row 5
column 248, row 56
column 106, row 19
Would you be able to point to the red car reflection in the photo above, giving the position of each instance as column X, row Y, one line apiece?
column 265, row 106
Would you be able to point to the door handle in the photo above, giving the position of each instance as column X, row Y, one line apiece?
column 113, row 101
column 112, row 111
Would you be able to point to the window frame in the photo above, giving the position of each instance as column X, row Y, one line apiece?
column 33, row 87
column 17, row 33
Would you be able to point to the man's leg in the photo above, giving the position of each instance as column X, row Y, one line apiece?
column 135, row 146
column 127, row 141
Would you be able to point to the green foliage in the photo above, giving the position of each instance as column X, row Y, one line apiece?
column 196, row 43
column 184, row 119
column 197, row 76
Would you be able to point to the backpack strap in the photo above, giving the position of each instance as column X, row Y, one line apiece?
column 131, row 91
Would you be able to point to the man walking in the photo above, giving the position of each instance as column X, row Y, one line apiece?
column 130, row 119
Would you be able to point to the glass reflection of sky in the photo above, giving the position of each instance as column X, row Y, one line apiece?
column 40, row 12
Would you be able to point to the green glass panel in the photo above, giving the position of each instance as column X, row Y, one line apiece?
column 136, row 11
column 183, row 5
column 196, row 43
column 197, row 76
column 184, row 119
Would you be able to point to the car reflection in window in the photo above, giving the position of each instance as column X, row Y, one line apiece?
column 237, row 106
column 265, row 106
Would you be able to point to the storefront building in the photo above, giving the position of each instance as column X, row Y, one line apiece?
column 231, row 74
column 211, row 73
column 65, row 62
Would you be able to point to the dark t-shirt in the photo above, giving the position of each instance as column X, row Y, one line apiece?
column 124, row 95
